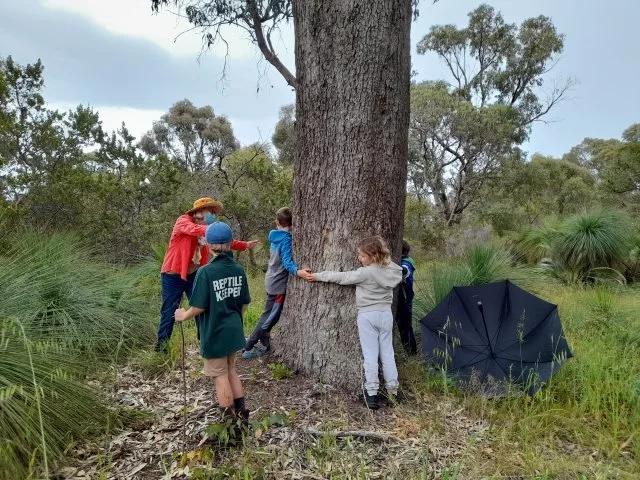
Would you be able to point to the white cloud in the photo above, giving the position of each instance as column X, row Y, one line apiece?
column 134, row 18
column 139, row 121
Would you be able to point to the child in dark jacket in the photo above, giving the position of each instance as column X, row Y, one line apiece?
column 281, row 265
column 404, row 317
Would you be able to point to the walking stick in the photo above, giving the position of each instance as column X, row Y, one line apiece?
column 184, row 394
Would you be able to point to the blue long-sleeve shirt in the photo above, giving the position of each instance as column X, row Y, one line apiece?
column 281, row 263
column 408, row 268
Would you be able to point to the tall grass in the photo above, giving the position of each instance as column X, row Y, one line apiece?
column 62, row 313
column 44, row 404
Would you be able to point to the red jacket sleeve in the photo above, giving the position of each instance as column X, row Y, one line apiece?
column 185, row 226
column 239, row 245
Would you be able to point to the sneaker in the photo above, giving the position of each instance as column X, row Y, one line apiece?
column 256, row 351
column 371, row 401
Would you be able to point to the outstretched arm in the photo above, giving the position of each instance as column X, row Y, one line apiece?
column 354, row 277
column 241, row 246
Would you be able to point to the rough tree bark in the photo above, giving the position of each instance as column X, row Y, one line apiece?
column 352, row 118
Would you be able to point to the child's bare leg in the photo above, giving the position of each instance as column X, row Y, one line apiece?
column 234, row 381
column 224, row 393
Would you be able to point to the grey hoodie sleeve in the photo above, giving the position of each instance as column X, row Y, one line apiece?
column 354, row 277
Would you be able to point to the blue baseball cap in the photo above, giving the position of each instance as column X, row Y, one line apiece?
column 218, row 233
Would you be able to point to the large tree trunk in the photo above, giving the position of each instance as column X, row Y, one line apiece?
column 352, row 118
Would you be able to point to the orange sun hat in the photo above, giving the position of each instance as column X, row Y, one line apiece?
column 206, row 202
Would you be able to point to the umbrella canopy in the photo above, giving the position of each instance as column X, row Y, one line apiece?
column 496, row 332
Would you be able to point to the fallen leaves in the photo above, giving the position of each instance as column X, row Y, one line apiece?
column 301, row 430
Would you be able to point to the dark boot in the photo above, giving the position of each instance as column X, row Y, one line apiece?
column 241, row 411
column 243, row 415
column 371, row 401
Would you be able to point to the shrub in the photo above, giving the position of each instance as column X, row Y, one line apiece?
column 43, row 403
column 533, row 244
column 61, row 293
column 632, row 270
column 591, row 241
column 61, row 311
column 479, row 264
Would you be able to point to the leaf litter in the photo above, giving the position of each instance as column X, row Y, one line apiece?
column 300, row 430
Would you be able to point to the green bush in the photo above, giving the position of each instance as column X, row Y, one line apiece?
column 61, row 293
column 62, row 312
column 43, row 403
column 533, row 245
column 590, row 242
column 632, row 270
column 588, row 247
column 479, row 264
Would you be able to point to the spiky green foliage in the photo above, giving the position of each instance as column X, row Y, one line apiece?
column 61, row 293
column 633, row 263
column 479, row 264
column 534, row 244
column 62, row 312
column 487, row 263
column 590, row 241
column 43, row 403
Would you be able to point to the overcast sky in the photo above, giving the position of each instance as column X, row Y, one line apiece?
column 118, row 57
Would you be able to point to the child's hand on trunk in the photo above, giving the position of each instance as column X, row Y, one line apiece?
column 307, row 274
column 180, row 315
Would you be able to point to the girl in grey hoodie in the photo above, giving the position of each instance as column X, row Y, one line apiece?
column 374, row 282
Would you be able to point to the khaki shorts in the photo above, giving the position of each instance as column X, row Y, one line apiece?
column 217, row 367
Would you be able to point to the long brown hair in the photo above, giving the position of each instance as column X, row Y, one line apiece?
column 376, row 248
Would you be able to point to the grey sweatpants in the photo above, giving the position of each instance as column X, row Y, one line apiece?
column 376, row 340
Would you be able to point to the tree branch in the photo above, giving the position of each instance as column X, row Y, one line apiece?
column 269, row 55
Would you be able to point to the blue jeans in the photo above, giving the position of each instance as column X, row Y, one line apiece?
column 173, row 287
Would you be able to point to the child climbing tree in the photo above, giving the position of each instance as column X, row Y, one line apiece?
column 352, row 113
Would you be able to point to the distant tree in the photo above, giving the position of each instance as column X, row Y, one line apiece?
column 61, row 171
column 284, row 136
column 616, row 165
column 252, row 188
column 462, row 129
column 526, row 192
column 194, row 136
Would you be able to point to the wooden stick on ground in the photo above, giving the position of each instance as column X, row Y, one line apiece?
column 351, row 433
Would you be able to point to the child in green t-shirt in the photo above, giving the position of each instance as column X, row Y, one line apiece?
column 220, row 297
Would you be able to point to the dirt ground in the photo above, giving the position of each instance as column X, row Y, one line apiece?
column 299, row 430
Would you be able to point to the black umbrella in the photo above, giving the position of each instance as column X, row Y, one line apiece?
column 496, row 332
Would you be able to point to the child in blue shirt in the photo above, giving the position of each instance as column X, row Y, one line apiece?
column 404, row 317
